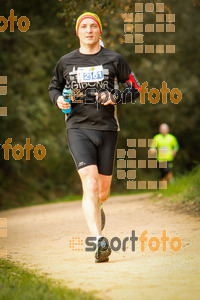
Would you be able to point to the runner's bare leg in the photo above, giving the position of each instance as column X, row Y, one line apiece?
column 104, row 187
column 90, row 203
column 96, row 189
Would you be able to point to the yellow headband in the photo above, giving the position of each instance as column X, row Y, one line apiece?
column 91, row 16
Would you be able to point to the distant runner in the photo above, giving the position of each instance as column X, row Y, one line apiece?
column 167, row 147
column 92, row 125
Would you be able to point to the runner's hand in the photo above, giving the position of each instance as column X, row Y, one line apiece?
column 62, row 104
column 174, row 153
column 104, row 98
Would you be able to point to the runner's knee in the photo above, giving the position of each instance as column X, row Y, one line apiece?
column 103, row 195
column 90, row 185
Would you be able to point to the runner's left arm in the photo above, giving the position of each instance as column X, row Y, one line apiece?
column 128, row 80
column 175, row 146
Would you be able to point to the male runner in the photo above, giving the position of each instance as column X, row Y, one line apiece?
column 167, row 147
column 92, row 126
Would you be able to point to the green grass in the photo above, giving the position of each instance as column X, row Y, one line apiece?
column 38, row 201
column 79, row 197
column 17, row 283
column 65, row 199
column 185, row 189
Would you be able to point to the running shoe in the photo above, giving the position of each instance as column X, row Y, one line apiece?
column 103, row 217
column 102, row 251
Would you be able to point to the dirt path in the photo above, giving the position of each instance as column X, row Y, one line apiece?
column 39, row 237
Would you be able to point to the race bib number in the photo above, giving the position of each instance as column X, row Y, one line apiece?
column 90, row 74
column 163, row 151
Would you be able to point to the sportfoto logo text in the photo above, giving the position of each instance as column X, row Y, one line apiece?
column 154, row 243
column 153, row 95
column 39, row 151
column 23, row 22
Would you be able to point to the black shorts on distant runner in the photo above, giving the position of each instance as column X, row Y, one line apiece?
column 93, row 147
column 165, row 171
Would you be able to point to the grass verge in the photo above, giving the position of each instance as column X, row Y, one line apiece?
column 185, row 189
column 21, row 284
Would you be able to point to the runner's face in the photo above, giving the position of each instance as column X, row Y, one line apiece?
column 164, row 129
column 89, row 32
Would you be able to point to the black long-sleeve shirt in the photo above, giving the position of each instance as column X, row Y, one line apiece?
column 99, row 71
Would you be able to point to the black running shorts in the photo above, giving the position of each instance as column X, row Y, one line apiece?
column 93, row 147
column 165, row 171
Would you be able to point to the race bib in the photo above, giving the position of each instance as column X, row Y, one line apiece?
column 90, row 74
column 163, row 151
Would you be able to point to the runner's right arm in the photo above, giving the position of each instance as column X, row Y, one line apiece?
column 56, row 86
